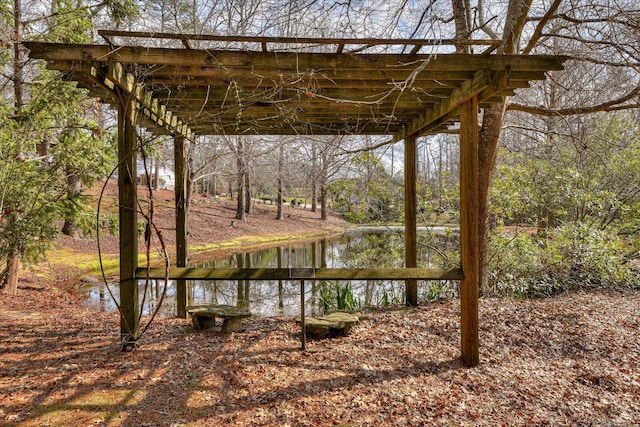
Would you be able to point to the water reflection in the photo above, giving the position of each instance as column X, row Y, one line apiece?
column 371, row 248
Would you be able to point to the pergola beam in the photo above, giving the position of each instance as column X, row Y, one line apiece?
column 483, row 85
column 177, row 273
column 341, row 42
column 204, row 75
column 288, row 63
column 152, row 110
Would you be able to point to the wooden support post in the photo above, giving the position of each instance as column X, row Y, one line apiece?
column 410, row 212
column 181, row 222
column 469, row 236
column 303, row 323
column 128, row 217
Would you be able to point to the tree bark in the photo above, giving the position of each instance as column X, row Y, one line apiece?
column 280, row 214
column 156, row 175
column 240, row 179
column 487, row 148
column 18, row 75
column 70, row 227
column 13, row 261
column 248, row 205
column 323, row 200
column 324, row 178
column 314, row 177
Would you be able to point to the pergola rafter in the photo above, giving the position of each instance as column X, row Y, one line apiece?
column 221, row 85
column 214, row 91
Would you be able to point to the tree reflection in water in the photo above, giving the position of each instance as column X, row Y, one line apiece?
column 373, row 248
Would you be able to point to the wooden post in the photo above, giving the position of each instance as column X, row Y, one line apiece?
column 469, row 200
column 181, row 222
column 410, row 212
column 303, row 324
column 128, row 217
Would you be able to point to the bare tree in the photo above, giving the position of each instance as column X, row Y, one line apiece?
column 604, row 34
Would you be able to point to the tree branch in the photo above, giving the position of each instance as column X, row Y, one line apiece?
column 537, row 33
column 614, row 105
column 604, row 20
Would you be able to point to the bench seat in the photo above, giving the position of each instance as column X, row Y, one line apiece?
column 330, row 325
column 204, row 316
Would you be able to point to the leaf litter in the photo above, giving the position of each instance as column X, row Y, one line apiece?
column 569, row 360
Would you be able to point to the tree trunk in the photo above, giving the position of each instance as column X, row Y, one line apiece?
column 240, row 180
column 314, row 198
column 280, row 214
column 314, row 177
column 248, row 205
column 18, row 75
column 70, row 227
column 323, row 185
column 190, row 175
column 13, row 261
column 487, row 147
column 240, row 285
column 156, row 176
column 323, row 200
column 240, row 211
column 13, row 258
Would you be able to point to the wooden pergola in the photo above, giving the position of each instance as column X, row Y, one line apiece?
column 215, row 85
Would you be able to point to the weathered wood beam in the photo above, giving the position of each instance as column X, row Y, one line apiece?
column 238, row 114
column 287, row 61
column 469, row 237
column 278, row 128
column 317, row 118
column 293, row 40
column 202, row 75
column 410, row 216
column 187, row 76
column 191, row 273
column 128, row 219
column 484, row 83
column 403, row 110
column 151, row 110
column 281, row 93
column 320, row 76
column 186, row 83
column 182, row 238
column 147, row 103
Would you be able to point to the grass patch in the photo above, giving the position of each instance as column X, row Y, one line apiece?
column 100, row 407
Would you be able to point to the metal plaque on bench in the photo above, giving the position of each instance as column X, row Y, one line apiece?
column 302, row 273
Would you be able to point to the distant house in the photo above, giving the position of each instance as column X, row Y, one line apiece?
column 167, row 179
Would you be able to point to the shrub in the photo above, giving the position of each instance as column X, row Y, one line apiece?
column 568, row 257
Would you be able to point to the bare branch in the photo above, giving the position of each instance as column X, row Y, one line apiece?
column 537, row 33
column 613, row 105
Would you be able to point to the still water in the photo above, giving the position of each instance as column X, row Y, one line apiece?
column 361, row 248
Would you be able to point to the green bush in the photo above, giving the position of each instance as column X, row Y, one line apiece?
column 591, row 257
column 568, row 257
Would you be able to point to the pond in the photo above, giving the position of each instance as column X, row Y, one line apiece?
column 366, row 247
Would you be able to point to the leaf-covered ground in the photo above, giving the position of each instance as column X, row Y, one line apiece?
column 569, row 360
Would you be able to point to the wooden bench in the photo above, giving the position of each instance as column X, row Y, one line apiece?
column 204, row 316
column 331, row 325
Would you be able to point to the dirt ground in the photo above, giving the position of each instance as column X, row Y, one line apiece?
column 569, row 360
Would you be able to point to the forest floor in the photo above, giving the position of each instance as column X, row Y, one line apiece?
column 573, row 359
